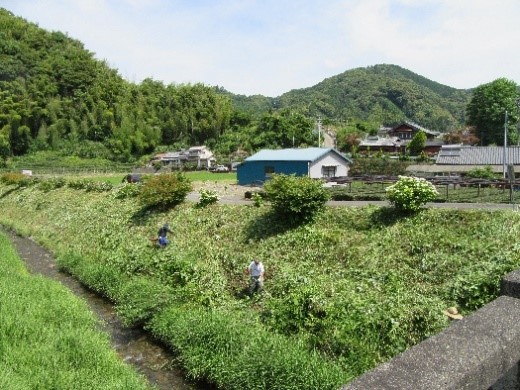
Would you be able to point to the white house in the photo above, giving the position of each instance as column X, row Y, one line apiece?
column 316, row 163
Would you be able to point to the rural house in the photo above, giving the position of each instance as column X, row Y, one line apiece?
column 313, row 162
column 200, row 156
column 396, row 139
column 407, row 130
column 458, row 159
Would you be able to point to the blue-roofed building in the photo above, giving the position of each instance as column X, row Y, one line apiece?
column 316, row 163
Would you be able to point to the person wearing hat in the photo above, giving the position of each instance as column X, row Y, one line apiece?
column 453, row 313
column 162, row 241
column 256, row 276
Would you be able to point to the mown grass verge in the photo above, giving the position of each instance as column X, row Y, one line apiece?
column 343, row 293
column 48, row 338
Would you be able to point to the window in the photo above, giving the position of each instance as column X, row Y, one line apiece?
column 268, row 170
column 328, row 170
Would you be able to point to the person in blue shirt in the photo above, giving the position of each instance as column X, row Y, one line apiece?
column 162, row 239
column 132, row 178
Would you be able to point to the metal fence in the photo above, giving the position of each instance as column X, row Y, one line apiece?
column 451, row 189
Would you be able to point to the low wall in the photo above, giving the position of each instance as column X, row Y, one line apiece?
column 474, row 353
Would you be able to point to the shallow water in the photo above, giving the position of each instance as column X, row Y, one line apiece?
column 134, row 346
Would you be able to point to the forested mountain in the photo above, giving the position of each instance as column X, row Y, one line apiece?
column 55, row 95
column 381, row 94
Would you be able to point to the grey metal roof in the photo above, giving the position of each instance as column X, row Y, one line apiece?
column 434, row 168
column 307, row 154
column 376, row 141
column 417, row 127
column 477, row 155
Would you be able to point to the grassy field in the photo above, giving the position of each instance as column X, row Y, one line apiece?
column 48, row 338
column 343, row 294
column 195, row 176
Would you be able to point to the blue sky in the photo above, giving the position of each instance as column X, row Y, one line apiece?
column 269, row 47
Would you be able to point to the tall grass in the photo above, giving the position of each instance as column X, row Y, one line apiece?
column 240, row 353
column 48, row 337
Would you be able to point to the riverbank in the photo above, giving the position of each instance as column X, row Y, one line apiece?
column 321, row 281
column 48, row 337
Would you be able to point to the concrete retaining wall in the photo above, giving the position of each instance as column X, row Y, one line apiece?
column 477, row 352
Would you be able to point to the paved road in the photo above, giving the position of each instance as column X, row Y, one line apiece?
column 489, row 206
column 240, row 200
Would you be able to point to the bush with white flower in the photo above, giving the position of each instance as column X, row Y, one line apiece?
column 207, row 197
column 410, row 193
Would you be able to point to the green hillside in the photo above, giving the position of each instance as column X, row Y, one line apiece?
column 56, row 96
column 386, row 94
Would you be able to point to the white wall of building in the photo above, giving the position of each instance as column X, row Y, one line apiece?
column 330, row 158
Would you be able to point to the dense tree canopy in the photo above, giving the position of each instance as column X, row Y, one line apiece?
column 487, row 111
column 55, row 95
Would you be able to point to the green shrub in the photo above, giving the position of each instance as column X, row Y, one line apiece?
column 90, row 185
column 128, row 190
column 423, row 157
column 252, row 194
column 78, row 184
column 481, row 173
column 165, row 191
column 15, row 178
column 207, row 197
column 417, row 144
column 478, row 284
column 52, row 184
column 189, row 166
column 411, row 193
column 258, row 199
column 296, row 197
column 378, row 166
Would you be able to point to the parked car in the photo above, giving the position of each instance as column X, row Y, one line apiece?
column 221, row 168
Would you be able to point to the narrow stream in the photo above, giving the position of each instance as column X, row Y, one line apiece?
column 134, row 346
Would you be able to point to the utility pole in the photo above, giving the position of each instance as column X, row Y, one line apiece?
column 319, row 132
column 505, row 146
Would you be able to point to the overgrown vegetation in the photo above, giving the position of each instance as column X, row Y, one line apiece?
column 378, row 166
column 482, row 173
column 164, row 191
column 297, row 198
column 48, row 337
column 343, row 292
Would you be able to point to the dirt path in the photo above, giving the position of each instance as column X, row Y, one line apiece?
column 133, row 345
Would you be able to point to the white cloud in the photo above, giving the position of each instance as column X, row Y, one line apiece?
column 269, row 47
column 461, row 44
